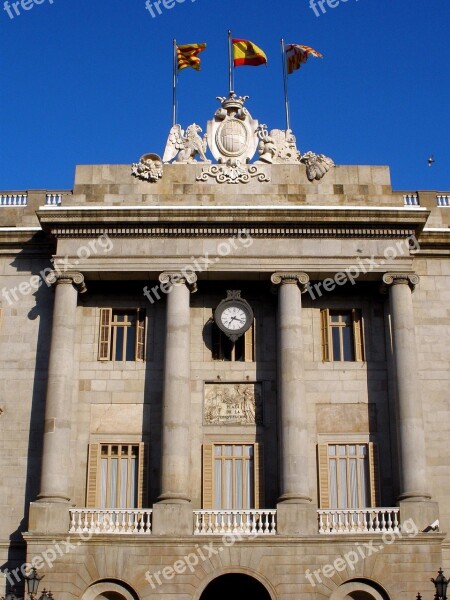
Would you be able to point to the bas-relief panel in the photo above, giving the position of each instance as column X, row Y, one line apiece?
column 232, row 403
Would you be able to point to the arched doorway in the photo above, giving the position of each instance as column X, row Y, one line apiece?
column 109, row 589
column 236, row 586
column 359, row 589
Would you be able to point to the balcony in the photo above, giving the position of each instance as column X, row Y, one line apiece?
column 135, row 521
column 21, row 199
column 246, row 522
column 359, row 520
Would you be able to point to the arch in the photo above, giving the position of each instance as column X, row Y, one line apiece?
column 109, row 589
column 239, row 584
column 360, row 589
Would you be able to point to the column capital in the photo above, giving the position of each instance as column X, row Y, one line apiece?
column 410, row 279
column 74, row 278
column 174, row 277
column 298, row 278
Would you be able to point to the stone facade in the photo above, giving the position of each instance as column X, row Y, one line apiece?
column 115, row 242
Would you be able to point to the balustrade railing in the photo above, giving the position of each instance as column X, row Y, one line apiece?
column 442, row 200
column 359, row 520
column 411, row 200
column 220, row 522
column 111, row 520
column 13, row 199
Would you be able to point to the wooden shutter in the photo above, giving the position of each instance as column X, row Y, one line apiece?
column 325, row 331
column 92, row 475
column 358, row 334
column 249, row 343
column 259, row 476
column 208, row 470
column 322, row 463
column 374, row 475
column 142, row 476
column 216, row 342
column 104, row 336
column 140, row 334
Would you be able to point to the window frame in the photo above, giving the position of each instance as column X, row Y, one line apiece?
column 208, row 456
column 108, row 329
column 219, row 339
column 323, row 472
column 357, row 332
column 94, row 473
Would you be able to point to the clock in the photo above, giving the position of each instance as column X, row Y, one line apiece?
column 233, row 315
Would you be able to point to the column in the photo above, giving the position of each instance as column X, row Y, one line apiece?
column 410, row 427
column 292, row 407
column 175, row 460
column 56, row 457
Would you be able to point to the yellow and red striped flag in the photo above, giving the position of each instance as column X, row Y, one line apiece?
column 296, row 55
column 187, row 56
column 247, row 53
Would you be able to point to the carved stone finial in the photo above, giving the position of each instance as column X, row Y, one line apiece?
column 174, row 277
column 184, row 148
column 278, row 146
column 149, row 168
column 68, row 278
column 316, row 165
column 301, row 279
column 410, row 279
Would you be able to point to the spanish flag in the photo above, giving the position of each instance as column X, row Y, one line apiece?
column 296, row 55
column 188, row 56
column 247, row 53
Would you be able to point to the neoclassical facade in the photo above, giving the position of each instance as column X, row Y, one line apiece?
column 214, row 387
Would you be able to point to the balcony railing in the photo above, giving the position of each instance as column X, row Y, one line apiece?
column 359, row 520
column 111, row 520
column 21, row 199
column 13, row 199
column 411, row 200
column 220, row 522
column 442, row 200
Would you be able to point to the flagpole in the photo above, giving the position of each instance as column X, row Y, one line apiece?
column 286, row 100
column 230, row 66
column 174, row 90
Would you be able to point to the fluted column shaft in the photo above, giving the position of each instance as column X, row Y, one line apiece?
column 175, row 459
column 292, row 408
column 56, row 463
column 413, row 477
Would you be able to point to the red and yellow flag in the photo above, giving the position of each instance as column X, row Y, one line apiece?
column 296, row 55
column 247, row 53
column 187, row 55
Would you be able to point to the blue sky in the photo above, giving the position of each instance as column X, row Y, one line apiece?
column 89, row 81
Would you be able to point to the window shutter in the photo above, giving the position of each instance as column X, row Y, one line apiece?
column 104, row 337
column 208, row 465
column 325, row 329
column 259, row 476
column 322, row 461
column 358, row 334
column 140, row 334
column 216, row 342
column 142, row 476
column 249, row 343
column 92, row 475
column 374, row 475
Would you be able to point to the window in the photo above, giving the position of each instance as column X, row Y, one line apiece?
column 116, row 477
column 122, row 334
column 243, row 350
column 232, row 476
column 342, row 335
column 347, row 476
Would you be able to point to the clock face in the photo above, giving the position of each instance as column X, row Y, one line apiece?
column 233, row 318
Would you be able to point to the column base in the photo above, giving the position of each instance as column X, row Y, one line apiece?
column 291, row 498
column 297, row 519
column 174, row 498
column 49, row 517
column 172, row 519
column 420, row 515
